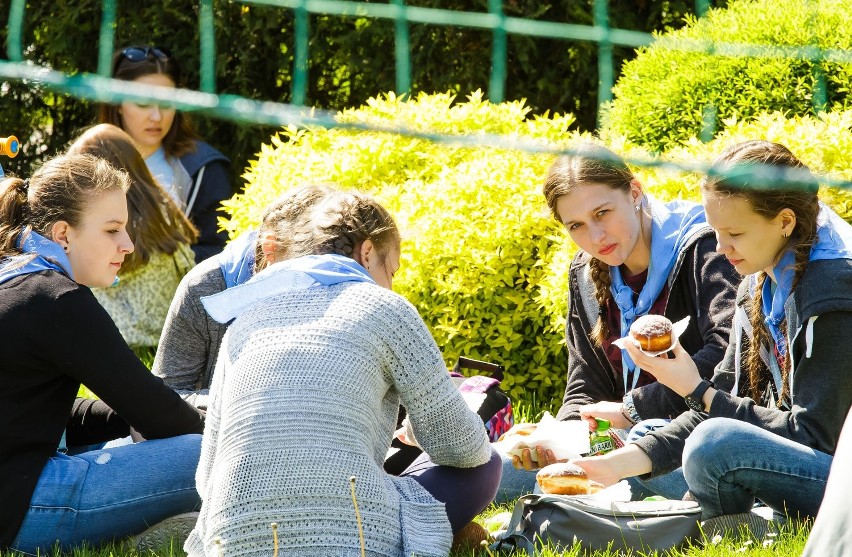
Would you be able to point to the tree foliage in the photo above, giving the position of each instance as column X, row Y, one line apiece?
column 351, row 60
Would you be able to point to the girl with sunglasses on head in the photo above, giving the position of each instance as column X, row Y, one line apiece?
column 637, row 256
column 767, row 424
column 161, row 236
column 62, row 232
column 191, row 171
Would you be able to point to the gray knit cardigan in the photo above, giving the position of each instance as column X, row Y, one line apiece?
column 305, row 394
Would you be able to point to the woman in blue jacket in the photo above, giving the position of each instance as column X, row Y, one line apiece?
column 191, row 171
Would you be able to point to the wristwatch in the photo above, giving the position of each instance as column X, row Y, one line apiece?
column 694, row 399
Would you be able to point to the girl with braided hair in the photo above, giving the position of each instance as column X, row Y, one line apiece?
column 767, row 424
column 317, row 359
column 637, row 256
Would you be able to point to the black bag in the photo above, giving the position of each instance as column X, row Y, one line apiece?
column 559, row 521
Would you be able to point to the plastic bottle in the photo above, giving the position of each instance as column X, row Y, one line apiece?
column 600, row 439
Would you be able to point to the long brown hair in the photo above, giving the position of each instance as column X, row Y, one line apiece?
column 60, row 190
column 591, row 164
column 181, row 137
column 156, row 223
column 801, row 198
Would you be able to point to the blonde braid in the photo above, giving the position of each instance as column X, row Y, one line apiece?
column 757, row 371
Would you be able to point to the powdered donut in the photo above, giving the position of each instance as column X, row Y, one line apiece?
column 653, row 332
column 563, row 478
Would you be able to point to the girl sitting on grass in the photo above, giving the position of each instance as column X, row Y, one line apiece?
column 637, row 256
column 305, row 396
column 767, row 424
column 63, row 232
column 161, row 236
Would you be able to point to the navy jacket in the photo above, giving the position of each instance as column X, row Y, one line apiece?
column 204, row 201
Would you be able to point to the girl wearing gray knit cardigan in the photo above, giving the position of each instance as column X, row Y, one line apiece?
column 318, row 357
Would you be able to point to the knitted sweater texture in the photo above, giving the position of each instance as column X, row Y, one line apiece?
column 305, row 395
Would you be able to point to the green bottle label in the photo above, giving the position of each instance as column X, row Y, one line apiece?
column 600, row 440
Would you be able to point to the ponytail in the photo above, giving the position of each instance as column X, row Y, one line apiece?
column 13, row 209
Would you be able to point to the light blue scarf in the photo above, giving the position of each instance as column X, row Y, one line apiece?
column 834, row 241
column 673, row 225
column 292, row 274
column 237, row 259
column 40, row 254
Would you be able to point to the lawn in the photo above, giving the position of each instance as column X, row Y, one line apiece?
column 790, row 541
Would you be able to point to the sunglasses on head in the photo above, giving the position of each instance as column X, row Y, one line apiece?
column 139, row 54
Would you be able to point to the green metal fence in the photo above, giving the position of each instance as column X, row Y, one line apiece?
column 100, row 88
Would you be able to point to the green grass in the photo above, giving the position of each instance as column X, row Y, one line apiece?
column 790, row 542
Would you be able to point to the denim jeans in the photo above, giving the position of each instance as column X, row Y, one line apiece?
column 671, row 485
column 100, row 495
column 728, row 463
column 514, row 483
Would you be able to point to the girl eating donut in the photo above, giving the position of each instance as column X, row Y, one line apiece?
column 637, row 256
column 767, row 424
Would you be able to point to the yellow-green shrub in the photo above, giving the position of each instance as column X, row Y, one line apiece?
column 478, row 243
column 483, row 261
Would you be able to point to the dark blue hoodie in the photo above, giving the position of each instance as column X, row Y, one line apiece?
column 205, row 197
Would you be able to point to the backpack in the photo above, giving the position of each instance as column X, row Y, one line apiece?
column 560, row 521
column 482, row 394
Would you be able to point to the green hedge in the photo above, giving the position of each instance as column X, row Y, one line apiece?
column 478, row 242
column 662, row 96
column 483, row 261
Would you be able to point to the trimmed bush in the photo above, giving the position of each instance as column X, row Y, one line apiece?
column 478, row 241
column 483, row 261
column 662, row 96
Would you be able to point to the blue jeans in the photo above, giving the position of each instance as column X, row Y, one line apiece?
column 514, row 483
column 97, row 496
column 671, row 485
column 728, row 463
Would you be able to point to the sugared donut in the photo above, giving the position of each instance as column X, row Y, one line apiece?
column 563, row 478
column 653, row 332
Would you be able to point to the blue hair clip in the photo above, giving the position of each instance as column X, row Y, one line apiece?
column 116, row 281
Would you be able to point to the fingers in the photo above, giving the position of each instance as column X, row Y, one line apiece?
column 593, row 425
column 527, row 461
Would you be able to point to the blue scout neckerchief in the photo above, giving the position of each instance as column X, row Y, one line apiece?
column 673, row 224
column 834, row 241
column 291, row 274
column 39, row 254
column 237, row 259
